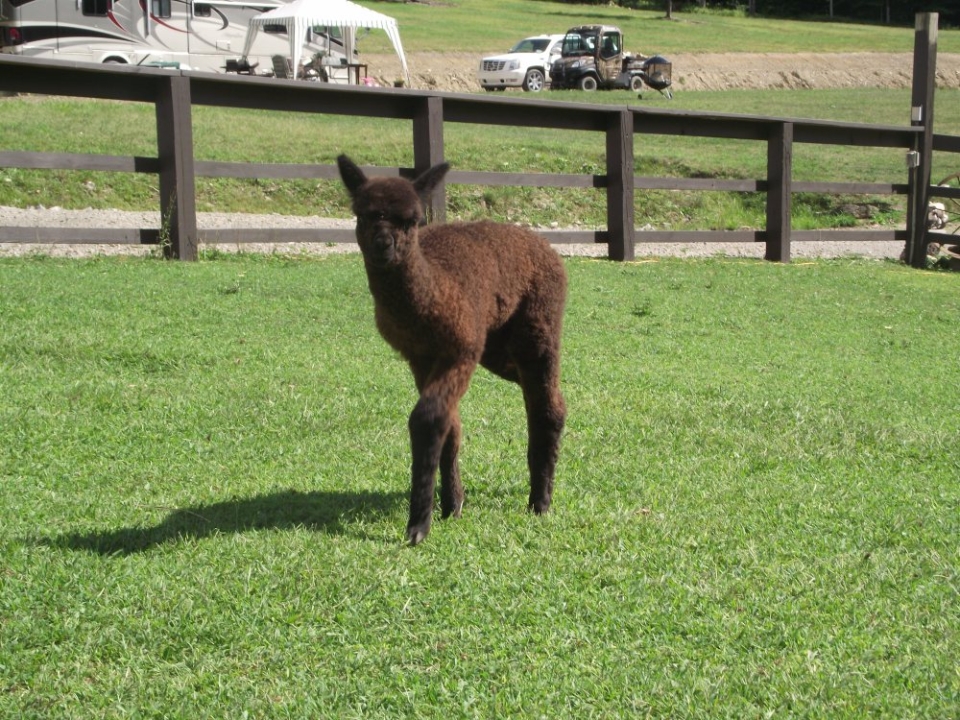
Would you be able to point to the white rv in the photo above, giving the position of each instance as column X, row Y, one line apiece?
column 190, row 34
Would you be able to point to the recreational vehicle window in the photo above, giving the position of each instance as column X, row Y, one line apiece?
column 331, row 31
column 160, row 8
column 97, row 8
column 202, row 10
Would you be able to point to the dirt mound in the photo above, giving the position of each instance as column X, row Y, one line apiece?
column 456, row 72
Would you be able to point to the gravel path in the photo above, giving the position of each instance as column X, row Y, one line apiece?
column 55, row 217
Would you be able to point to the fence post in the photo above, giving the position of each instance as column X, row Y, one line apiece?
column 620, row 214
column 779, row 192
column 178, row 205
column 921, row 115
column 428, row 151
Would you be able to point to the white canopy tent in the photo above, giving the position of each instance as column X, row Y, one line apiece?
column 300, row 15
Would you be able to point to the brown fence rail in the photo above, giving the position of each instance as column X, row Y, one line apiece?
column 173, row 93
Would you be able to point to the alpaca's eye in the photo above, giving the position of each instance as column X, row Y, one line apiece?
column 372, row 218
column 376, row 218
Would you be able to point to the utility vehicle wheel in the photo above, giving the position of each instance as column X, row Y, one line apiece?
column 588, row 83
column 951, row 206
column 636, row 83
column 534, row 80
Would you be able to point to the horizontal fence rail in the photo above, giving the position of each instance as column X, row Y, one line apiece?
column 174, row 92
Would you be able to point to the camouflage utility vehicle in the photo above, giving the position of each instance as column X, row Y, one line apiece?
column 592, row 57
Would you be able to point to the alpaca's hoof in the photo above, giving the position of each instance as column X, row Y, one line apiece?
column 416, row 534
column 455, row 511
column 540, row 507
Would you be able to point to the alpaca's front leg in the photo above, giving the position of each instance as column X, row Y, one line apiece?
column 429, row 427
column 435, row 441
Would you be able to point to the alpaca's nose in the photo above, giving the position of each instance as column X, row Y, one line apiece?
column 384, row 244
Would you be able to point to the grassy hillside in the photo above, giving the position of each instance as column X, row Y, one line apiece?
column 484, row 25
column 49, row 124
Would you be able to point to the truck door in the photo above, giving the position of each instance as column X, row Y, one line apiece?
column 609, row 56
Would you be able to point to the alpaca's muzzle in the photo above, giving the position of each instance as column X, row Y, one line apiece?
column 384, row 247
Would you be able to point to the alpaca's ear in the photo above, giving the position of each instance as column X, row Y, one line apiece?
column 351, row 174
column 428, row 181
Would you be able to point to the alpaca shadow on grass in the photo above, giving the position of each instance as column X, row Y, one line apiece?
column 329, row 512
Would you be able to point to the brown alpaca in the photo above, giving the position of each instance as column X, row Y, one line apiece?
column 450, row 297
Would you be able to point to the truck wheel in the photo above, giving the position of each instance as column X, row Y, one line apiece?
column 636, row 83
column 588, row 83
column 534, row 80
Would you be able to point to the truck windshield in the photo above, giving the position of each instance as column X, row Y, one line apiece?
column 531, row 45
column 579, row 44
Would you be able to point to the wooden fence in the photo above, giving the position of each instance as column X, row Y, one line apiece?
column 174, row 93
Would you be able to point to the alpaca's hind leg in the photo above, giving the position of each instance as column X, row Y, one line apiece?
column 546, row 413
column 435, row 441
column 451, row 489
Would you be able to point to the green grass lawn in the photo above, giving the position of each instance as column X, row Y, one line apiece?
column 203, row 470
column 49, row 125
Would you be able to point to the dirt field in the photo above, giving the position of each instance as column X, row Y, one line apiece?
column 456, row 72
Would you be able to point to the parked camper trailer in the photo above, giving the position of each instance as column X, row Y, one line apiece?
column 189, row 34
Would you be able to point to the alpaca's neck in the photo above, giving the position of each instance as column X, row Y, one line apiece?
column 408, row 284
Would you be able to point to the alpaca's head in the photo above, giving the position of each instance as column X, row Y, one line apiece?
column 388, row 210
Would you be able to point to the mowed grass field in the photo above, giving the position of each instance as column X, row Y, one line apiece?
column 204, row 471
column 84, row 126
column 204, row 466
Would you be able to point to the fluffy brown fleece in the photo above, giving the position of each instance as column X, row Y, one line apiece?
column 449, row 297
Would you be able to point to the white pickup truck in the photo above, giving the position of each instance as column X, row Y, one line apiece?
column 526, row 66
